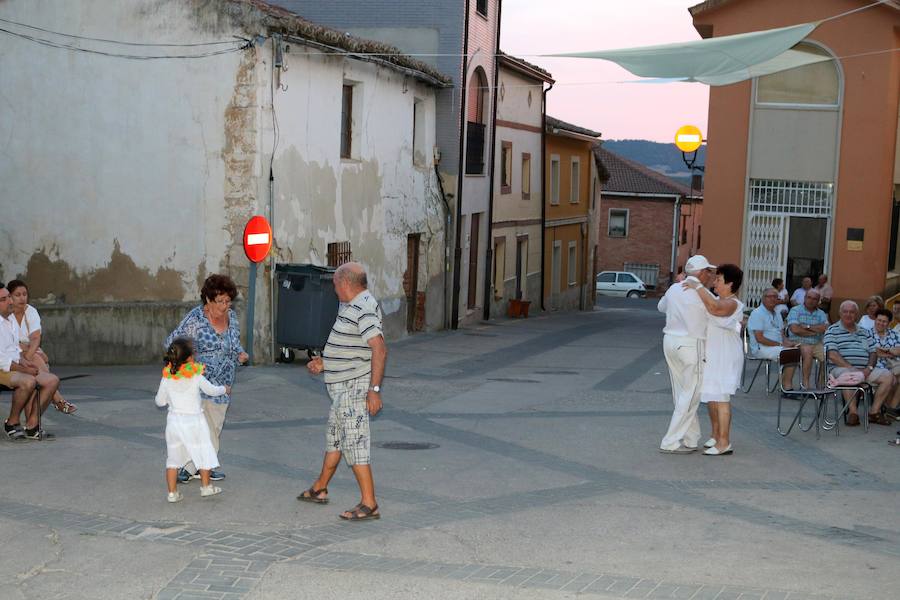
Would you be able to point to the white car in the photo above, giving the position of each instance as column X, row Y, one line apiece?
column 620, row 283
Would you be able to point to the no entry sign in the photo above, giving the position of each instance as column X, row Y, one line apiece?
column 257, row 239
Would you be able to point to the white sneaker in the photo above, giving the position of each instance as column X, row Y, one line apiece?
column 175, row 497
column 716, row 452
column 710, row 443
column 209, row 490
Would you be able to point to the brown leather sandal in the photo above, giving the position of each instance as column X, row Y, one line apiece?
column 312, row 495
column 361, row 512
column 879, row 419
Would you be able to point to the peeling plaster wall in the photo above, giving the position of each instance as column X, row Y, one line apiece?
column 125, row 180
column 374, row 200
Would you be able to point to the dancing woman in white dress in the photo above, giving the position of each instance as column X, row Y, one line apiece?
column 724, row 354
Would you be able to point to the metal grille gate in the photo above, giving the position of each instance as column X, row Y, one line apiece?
column 771, row 205
column 647, row 272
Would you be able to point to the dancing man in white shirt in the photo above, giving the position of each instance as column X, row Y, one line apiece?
column 683, row 339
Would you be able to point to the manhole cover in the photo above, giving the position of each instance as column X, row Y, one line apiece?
column 407, row 445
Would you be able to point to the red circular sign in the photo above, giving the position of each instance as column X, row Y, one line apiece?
column 257, row 239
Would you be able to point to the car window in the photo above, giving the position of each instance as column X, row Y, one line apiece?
column 627, row 278
column 606, row 278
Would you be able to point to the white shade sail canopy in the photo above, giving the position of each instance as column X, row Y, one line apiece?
column 716, row 61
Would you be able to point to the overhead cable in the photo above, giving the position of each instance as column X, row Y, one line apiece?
column 244, row 44
column 108, row 41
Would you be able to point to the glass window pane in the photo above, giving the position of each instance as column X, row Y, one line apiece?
column 811, row 84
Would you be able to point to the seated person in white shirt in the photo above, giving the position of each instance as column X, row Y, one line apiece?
column 23, row 377
column 873, row 305
column 766, row 333
column 800, row 293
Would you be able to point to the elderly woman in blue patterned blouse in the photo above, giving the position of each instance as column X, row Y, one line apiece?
column 214, row 329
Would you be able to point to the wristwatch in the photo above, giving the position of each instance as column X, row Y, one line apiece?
column 376, row 389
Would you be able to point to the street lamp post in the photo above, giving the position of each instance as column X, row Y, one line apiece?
column 688, row 139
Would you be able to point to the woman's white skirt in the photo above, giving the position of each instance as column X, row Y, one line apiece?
column 188, row 440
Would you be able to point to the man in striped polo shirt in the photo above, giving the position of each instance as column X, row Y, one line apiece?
column 353, row 363
column 852, row 348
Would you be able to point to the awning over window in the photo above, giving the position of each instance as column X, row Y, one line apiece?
column 716, row 61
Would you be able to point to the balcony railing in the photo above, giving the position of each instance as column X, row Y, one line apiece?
column 475, row 134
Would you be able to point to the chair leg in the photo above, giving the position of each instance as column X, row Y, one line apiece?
column 774, row 384
column 753, row 379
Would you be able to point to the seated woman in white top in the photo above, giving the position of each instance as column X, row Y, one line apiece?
column 28, row 323
column 873, row 305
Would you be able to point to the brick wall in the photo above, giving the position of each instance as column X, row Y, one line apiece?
column 649, row 238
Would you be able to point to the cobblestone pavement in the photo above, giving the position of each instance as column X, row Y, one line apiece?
column 543, row 481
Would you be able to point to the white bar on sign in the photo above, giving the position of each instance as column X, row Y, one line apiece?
column 254, row 239
column 688, row 137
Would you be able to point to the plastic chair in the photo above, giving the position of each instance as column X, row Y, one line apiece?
column 787, row 358
column 762, row 362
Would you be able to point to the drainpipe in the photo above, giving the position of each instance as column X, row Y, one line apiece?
column 447, row 221
column 544, row 190
column 676, row 213
column 457, row 251
column 489, row 246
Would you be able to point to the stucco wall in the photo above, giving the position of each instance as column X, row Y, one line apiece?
column 373, row 200
column 131, row 180
column 868, row 138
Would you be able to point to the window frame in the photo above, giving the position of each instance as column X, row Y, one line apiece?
column 554, row 189
column 806, row 105
column 482, row 8
column 572, row 265
column 526, row 176
column 609, row 216
column 575, row 180
column 418, row 133
column 346, row 133
column 506, row 165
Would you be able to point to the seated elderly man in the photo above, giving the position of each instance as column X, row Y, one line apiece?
column 806, row 326
column 766, row 329
column 23, row 377
column 800, row 292
column 852, row 348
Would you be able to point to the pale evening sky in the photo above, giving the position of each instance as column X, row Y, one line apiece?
column 586, row 92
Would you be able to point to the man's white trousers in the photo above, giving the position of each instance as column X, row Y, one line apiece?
column 684, row 357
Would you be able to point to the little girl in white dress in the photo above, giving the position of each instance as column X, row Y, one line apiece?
column 187, row 433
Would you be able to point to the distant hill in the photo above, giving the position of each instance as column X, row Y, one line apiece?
column 662, row 158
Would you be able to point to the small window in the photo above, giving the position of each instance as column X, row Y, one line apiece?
column 618, row 222
column 338, row 253
column 420, row 158
column 626, row 278
column 506, row 167
column 573, row 263
column 575, row 188
column 526, row 176
column 482, row 7
column 606, row 278
column 347, row 122
column 554, row 180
